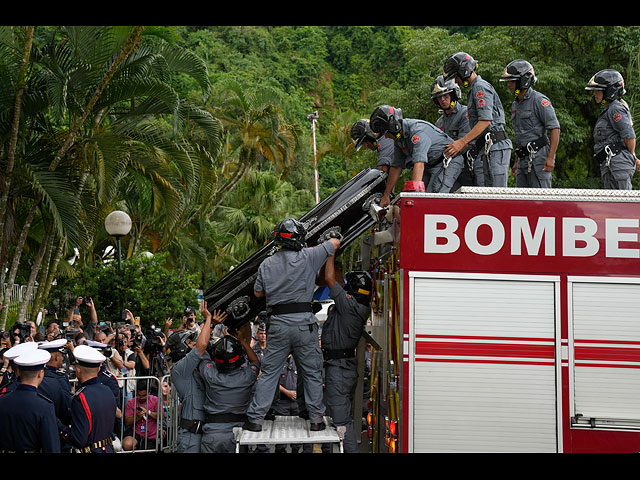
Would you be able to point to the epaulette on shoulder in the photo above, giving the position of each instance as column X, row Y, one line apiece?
column 79, row 390
column 107, row 373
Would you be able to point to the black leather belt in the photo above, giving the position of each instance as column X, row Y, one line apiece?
column 532, row 147
column 611, row 149
column 193, row 426
column 224, row 417
column 495, row 136
column 283, row 308
column 338, row 354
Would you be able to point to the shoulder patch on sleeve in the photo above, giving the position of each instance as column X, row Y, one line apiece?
column 545, row 102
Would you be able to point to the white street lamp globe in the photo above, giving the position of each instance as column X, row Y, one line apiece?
column 117, row 223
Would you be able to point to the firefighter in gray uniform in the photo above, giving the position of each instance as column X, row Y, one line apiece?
column 341, row 333
column 363, row 137
column 229, row 381
column 418, row 145
column 486, row 118
column 536, row 127
column 454, row 121
column 184, row 355
column 287, row 280
column 613, row 135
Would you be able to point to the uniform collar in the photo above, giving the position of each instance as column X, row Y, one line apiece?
column 527, row 94
column 91, row 381
column 24, row 386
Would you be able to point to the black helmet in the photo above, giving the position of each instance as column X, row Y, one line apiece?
column 228, row 353
column 290, row 234
column 521, row 72
column 441, row 87
column 610, row 82
column 177, row 346
column 461, row 64
column 386, row 118
column 361, row 132
column 359, row 284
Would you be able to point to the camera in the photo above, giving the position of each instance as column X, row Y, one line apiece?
column 21, row 330
column 136, row 340
column 153, row 345
column 70, row 333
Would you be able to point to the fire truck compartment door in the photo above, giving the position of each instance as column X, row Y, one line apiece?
column 483, row 369
column 605, row 351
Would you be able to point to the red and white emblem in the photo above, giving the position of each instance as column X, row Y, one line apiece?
column 415, row 139
column 545, row 102
column 481, row 103
column 617, row 117
column 480, row 94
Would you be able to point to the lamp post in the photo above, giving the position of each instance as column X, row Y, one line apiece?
column 118, row 224
column 313, row 118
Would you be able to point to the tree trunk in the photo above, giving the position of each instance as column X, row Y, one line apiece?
column 22, row 313
column 44, row 272
column 16, row 261
column 5, row 185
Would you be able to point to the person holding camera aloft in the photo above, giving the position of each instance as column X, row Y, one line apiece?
column 184, row 355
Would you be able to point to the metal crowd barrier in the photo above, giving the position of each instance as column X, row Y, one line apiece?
column 167, row 419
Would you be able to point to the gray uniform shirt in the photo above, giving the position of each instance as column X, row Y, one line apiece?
column 229, row 392
column 343, row 327
column 421, row 141
column 456, row 123
column 188, row 384
column 613, row 125
column 289, row 276
column 483, row 103
column 385, row 152
column 532, row 117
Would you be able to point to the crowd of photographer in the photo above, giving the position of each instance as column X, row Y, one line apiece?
column 130, row 367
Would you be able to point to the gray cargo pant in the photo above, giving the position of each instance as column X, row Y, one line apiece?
column 302, row 342
column 619, row 173
column 495, row 167
column 534, row 177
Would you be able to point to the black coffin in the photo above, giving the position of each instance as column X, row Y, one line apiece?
column 345, row 211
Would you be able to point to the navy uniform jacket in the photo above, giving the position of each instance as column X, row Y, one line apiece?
column 28, row 422
column 108, row 379
column 93, row 414
column 56, row 387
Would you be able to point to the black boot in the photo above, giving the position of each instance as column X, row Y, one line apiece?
column 317, row 427
column 252, row 427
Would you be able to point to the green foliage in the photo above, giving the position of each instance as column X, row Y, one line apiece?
column 145, row 287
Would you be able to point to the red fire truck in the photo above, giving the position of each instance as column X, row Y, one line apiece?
column 507, row 320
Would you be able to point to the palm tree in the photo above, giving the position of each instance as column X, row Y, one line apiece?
column 99, row 114
column 252, row 211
